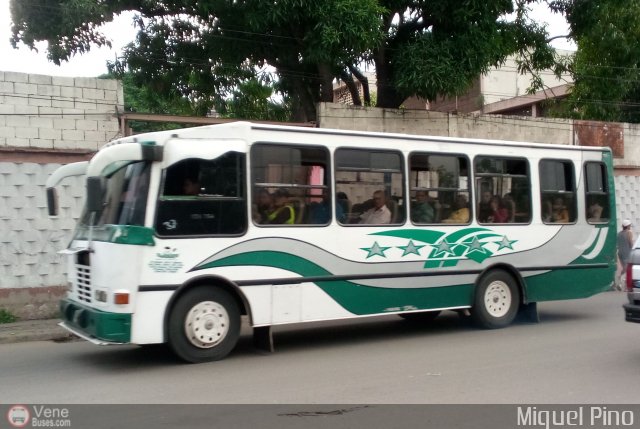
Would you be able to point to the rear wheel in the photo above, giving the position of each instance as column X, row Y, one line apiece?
column 204, row 325
column 496, row 301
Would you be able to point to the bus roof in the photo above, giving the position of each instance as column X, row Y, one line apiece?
column 249, row 131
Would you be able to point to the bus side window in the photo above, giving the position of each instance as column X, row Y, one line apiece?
column 439, row 185
column 202, row 197
column 290, row 185
column 507, row 182
column 557, row 191
column 596, row 193
column 368, row 180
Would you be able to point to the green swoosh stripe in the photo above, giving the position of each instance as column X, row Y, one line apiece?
column 356, row 298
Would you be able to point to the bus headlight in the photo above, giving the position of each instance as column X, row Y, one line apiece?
column 100, row 295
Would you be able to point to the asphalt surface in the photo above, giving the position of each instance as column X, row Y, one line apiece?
column 34, row 330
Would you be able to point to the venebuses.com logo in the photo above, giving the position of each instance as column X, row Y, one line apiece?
column 18, row 416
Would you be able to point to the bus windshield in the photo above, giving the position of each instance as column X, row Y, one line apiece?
column 125, row 199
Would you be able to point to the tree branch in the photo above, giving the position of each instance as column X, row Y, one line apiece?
column 351, row 85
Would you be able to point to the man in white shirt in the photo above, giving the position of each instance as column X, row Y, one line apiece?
column 380, row 213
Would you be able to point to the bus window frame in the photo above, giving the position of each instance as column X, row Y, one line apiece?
column 457, row 191
column 161, row 187
column 528, row 175
column 402, row 170
column 606, row 193
column 573, row 193
column 252, row 184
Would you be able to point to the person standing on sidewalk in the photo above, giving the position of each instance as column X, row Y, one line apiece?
column 625, row 244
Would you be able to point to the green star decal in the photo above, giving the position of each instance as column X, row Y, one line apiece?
column 375, row 250
column 505, row 243
column 475, row 246
column 410, row 249
column 443, row 247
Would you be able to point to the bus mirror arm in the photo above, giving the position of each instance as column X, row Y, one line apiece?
column 69, row 170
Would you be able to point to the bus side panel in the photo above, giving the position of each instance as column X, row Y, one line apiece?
column 567, row 284
column 147, row 324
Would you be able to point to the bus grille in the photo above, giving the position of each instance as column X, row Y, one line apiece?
column 83, row 283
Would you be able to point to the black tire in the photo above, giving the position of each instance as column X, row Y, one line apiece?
column 497, row 299
column 204, row 325
column 421, row 317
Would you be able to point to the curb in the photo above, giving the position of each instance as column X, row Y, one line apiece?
column 33, row 330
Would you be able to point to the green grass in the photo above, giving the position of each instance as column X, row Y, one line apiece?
column 6, row 317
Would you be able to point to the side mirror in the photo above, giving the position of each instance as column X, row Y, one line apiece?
column 95, row 194
column 52, row 201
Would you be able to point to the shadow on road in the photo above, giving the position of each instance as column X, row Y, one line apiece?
column 319, row 335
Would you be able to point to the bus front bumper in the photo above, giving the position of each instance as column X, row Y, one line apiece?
column 99, row 327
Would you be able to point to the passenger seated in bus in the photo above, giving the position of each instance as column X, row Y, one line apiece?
column 343, row 202
column 320, row 212
column 425, row 209
column 509, row 204
column 499, row 213
column 594, row 211
column 461, row 211
column 191, row 186
column 547, row 210
column 379, row 213
column 484, row 207
column 559, row 213
column 283, row 212
column 263, row 206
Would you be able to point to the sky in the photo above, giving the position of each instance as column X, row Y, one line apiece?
column 121, row 32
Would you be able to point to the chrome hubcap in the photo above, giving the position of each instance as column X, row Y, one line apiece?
column 497, row 299
column 206, row 324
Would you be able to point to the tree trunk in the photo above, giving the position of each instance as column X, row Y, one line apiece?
column 387, row 94
column 365, row 85
column 326, row 83
column 351, row 86
column 302, row 103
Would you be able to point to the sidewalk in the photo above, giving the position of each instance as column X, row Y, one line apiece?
column 33, row 330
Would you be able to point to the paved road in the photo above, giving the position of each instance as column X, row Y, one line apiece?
column 581, row 352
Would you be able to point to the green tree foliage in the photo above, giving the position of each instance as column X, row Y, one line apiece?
column 207, row 50
column 253, row 100
column 142, row 98
column 438, row 47
column 606, row 68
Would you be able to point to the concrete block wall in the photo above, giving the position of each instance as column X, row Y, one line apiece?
column 347, row 117
column 524, row 129
column 29, row 264
column 536, row 130
column 45, row 121
column 628, row 200
column 49, row 112
column 539, row 130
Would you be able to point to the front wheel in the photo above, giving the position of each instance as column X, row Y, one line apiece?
column 496, row 301
column 204, row 325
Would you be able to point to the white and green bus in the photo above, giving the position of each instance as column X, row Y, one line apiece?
column 186, row 231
